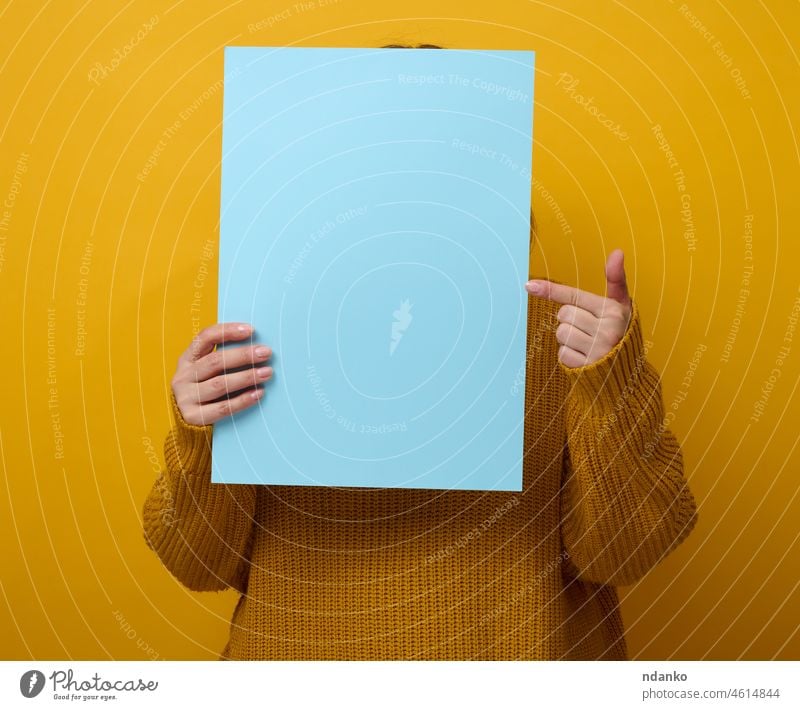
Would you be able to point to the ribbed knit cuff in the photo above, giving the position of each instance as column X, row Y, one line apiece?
column 188, row 447
column 599, row 384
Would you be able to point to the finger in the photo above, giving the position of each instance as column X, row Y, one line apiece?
column 573, row 338
column 580, row 318
column 570, row 357
column 561, row 293
column 205, row 341
column 228, row 358
column 616, row 283
column 205, row 414
column 228, row 385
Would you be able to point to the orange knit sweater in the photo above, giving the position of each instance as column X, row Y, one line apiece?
column 386, row 573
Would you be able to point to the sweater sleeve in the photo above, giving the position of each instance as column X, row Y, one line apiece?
column 625, row 503
column 201, row 531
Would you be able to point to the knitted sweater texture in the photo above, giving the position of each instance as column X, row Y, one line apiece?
column 401, row 574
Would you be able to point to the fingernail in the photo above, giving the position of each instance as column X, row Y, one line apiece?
column 264, row 371
column 261, row 351
column 244, row 328
column 533, row 287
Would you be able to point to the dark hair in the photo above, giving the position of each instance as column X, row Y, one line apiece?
column 411, row 46
column 436, row 46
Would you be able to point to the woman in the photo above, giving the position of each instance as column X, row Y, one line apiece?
column 381, row 574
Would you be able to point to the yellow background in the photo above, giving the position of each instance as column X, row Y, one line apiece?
column 117, row 256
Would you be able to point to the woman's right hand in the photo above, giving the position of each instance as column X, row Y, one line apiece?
column 204, row 392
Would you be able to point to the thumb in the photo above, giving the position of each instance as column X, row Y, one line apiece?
column 616, row 284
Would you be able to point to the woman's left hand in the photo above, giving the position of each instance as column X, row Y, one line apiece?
column 589, row 325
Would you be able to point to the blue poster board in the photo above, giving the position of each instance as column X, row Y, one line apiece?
column 375, row 226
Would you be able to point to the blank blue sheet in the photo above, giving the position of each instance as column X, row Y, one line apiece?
column 375, row 226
